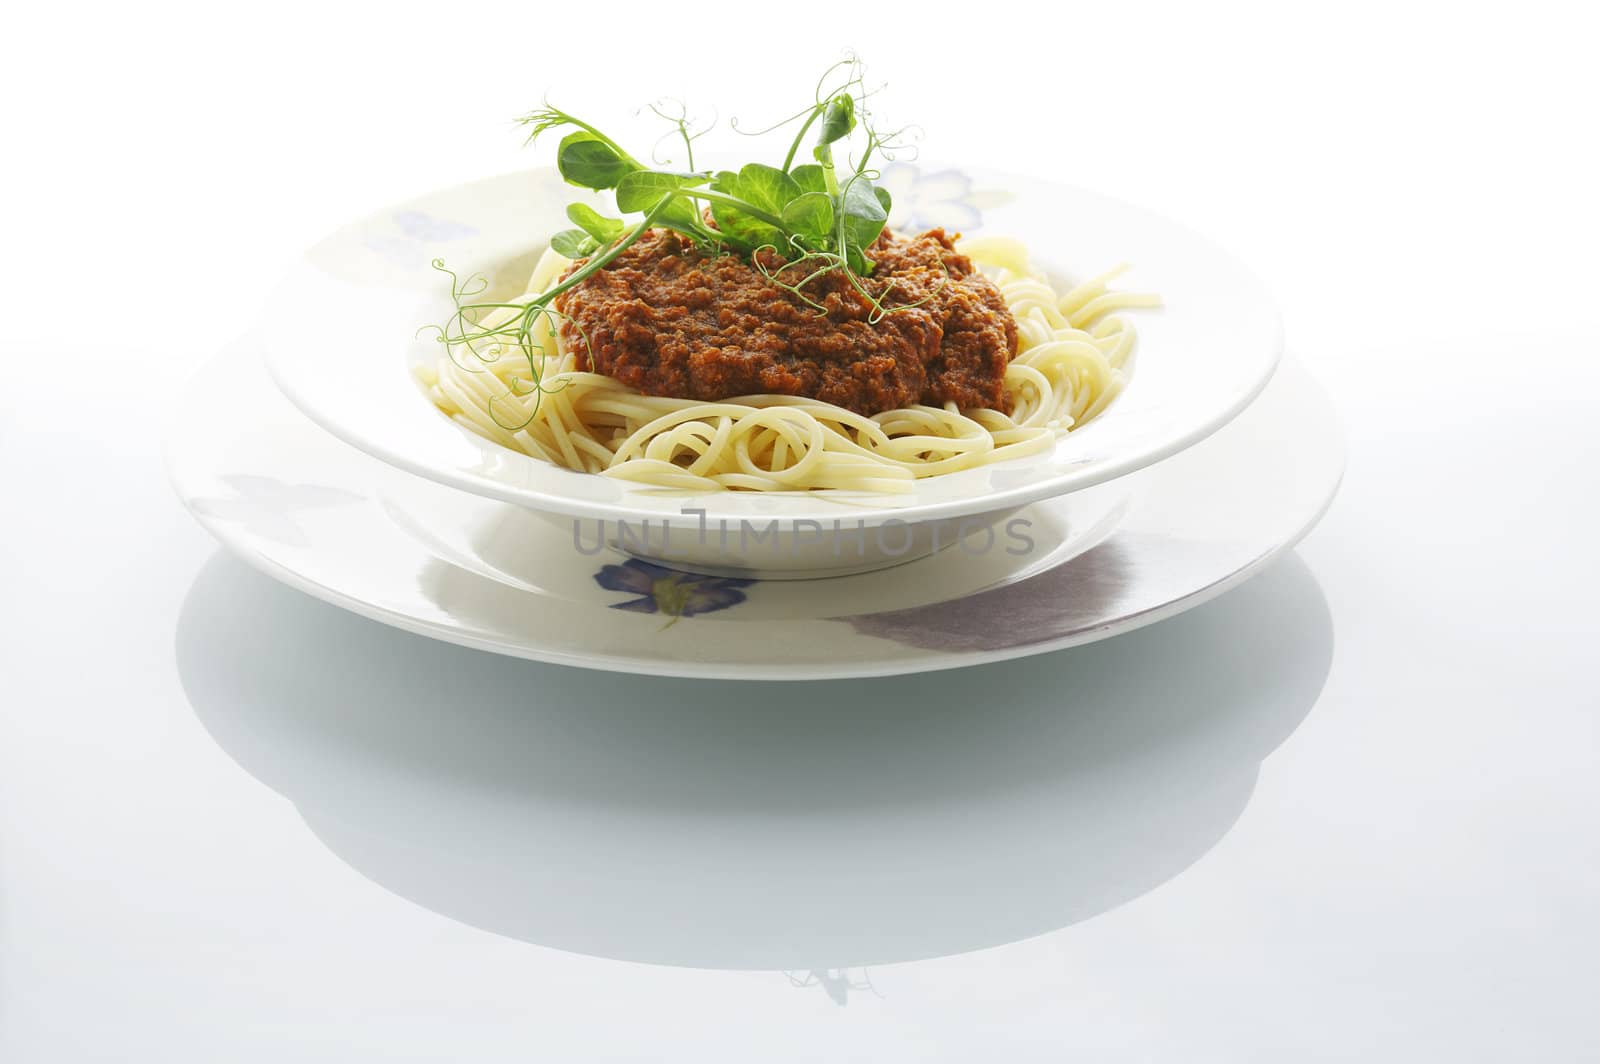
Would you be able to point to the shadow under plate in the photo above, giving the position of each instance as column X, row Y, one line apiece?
column 749, row 825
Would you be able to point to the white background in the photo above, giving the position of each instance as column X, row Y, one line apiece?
column 1414, row 877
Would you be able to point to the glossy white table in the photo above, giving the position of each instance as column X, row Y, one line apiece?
column 1349, row 811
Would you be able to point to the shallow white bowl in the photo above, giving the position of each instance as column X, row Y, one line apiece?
column 341, row 333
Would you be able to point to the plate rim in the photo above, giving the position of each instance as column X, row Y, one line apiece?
column 763, row 672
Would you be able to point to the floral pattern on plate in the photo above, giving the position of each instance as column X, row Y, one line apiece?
column 1050, row 605
column 927, row 199
column 419, row 232
column 669, row 592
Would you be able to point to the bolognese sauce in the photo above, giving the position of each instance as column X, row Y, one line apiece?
column 668, row 319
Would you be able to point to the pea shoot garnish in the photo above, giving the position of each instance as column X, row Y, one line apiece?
column 794, row 222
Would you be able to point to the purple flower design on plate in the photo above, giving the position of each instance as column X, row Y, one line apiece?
column 927, row 199
column 416, row 232
column 1071, row 598
column 427, row 228
column 669, row 592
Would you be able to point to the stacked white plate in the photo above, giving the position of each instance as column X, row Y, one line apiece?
column 310, row 451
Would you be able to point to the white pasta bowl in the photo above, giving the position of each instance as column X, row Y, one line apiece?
column 346, row 328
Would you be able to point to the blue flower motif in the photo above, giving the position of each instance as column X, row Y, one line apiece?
column 669, row 592
column 429, row 230
column 930, row 199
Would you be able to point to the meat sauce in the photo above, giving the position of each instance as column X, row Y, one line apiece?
column 667, row 319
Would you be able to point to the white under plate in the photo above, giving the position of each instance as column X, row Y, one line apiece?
column 323, row 517
column 341, row 329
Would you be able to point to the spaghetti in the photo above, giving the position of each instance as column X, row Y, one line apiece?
column 1072, row 350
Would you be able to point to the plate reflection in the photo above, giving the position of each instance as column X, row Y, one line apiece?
column 812, row 828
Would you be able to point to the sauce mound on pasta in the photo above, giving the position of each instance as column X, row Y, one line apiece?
column 668, row 319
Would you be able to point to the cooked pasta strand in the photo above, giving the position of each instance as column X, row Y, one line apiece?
column 1072, row 348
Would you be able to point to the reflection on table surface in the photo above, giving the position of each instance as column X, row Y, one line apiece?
column 807, row 827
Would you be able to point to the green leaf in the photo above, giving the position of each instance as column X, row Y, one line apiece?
column 809, row 178
column 643, row 189
column 594, row 223
column 574, row 243
column 884, row 198
column 766, row 187
column 810, row 217
column 589, row 161
column 744, row 231
column 863, row 215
